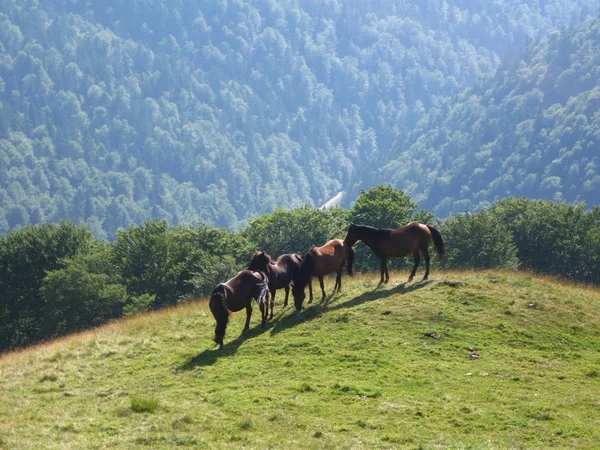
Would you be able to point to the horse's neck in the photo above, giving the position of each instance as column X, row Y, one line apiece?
column 370, row 238
column 305, row 272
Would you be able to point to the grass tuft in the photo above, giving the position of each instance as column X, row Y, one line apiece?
column 144, row 404
column 48, row 377
column 305, row 387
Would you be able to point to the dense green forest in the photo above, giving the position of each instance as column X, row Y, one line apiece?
column 114, row 113
column 56, row 279
column 531, row 130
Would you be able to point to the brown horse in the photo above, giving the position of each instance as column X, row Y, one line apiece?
column 389, row 243
column 235, row 294
column 319, row 261
column 280, row 272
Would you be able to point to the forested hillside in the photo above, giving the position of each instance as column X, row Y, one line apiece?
column 532, row 130
column 114, row 112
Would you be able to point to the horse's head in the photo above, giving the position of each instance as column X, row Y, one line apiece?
column 299, row 296
column 351, row 236
column 260, row 261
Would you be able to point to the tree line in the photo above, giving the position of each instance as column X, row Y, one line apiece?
column 59, row 278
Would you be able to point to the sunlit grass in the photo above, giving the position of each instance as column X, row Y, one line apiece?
column 357, row 371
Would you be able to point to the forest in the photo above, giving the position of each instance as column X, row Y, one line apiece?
column 113, row 114
column 58, row 278
column 533, row 130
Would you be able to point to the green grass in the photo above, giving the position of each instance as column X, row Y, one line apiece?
column 358, row 371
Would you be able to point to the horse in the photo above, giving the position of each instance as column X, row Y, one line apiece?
column 389, row 243
column 319, row 261
column 235, row 294
column 280, row 272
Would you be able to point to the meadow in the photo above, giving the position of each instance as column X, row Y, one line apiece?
column 464, row 360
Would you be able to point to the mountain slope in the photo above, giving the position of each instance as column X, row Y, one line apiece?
column 357, row 372
column 113, row 113
column 532, row 130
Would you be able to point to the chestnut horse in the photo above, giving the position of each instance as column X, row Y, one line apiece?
column 280, row 272
column 319, row 261
column 235, row 294
column 390, row 243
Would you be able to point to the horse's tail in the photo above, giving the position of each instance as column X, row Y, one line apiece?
column 437, row 241
column 261, row 293
column 220, row 312
column 350, row 261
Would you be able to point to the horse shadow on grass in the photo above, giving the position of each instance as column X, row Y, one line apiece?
column 328, row 304
column 283, row 322
column 209, row 356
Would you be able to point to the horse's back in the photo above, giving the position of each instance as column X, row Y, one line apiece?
column 331, row 256
column 406, row 240
column 245, row 278
column 241, row 288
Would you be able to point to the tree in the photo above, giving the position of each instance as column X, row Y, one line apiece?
column 383, row 207
column 296, row 231
column 478, row 241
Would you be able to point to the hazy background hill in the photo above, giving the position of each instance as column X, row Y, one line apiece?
column 118, row 112
column 532, row 130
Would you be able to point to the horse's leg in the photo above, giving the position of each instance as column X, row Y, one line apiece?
column 338, row 282
column 322, row 286
column 310, row 291
column 264, row 312
column 273, row 302
column 425, row 251
column 382, row 268
column 287, row 294
column 387, row 274
column 417, row 260
column 248, row 315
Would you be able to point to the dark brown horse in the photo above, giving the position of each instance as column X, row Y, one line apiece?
column 319, row 261
column 390, row 243
column 235, row 294
column 280, row 272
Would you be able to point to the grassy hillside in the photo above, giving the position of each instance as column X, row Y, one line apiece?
column 357, row 372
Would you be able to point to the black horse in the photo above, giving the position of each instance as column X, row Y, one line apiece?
column 235, row 294
column 280, row 272
column 389, row 243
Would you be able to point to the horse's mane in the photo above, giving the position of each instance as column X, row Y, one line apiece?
column 372, row 232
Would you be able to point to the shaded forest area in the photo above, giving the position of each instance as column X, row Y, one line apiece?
column 115, row 113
